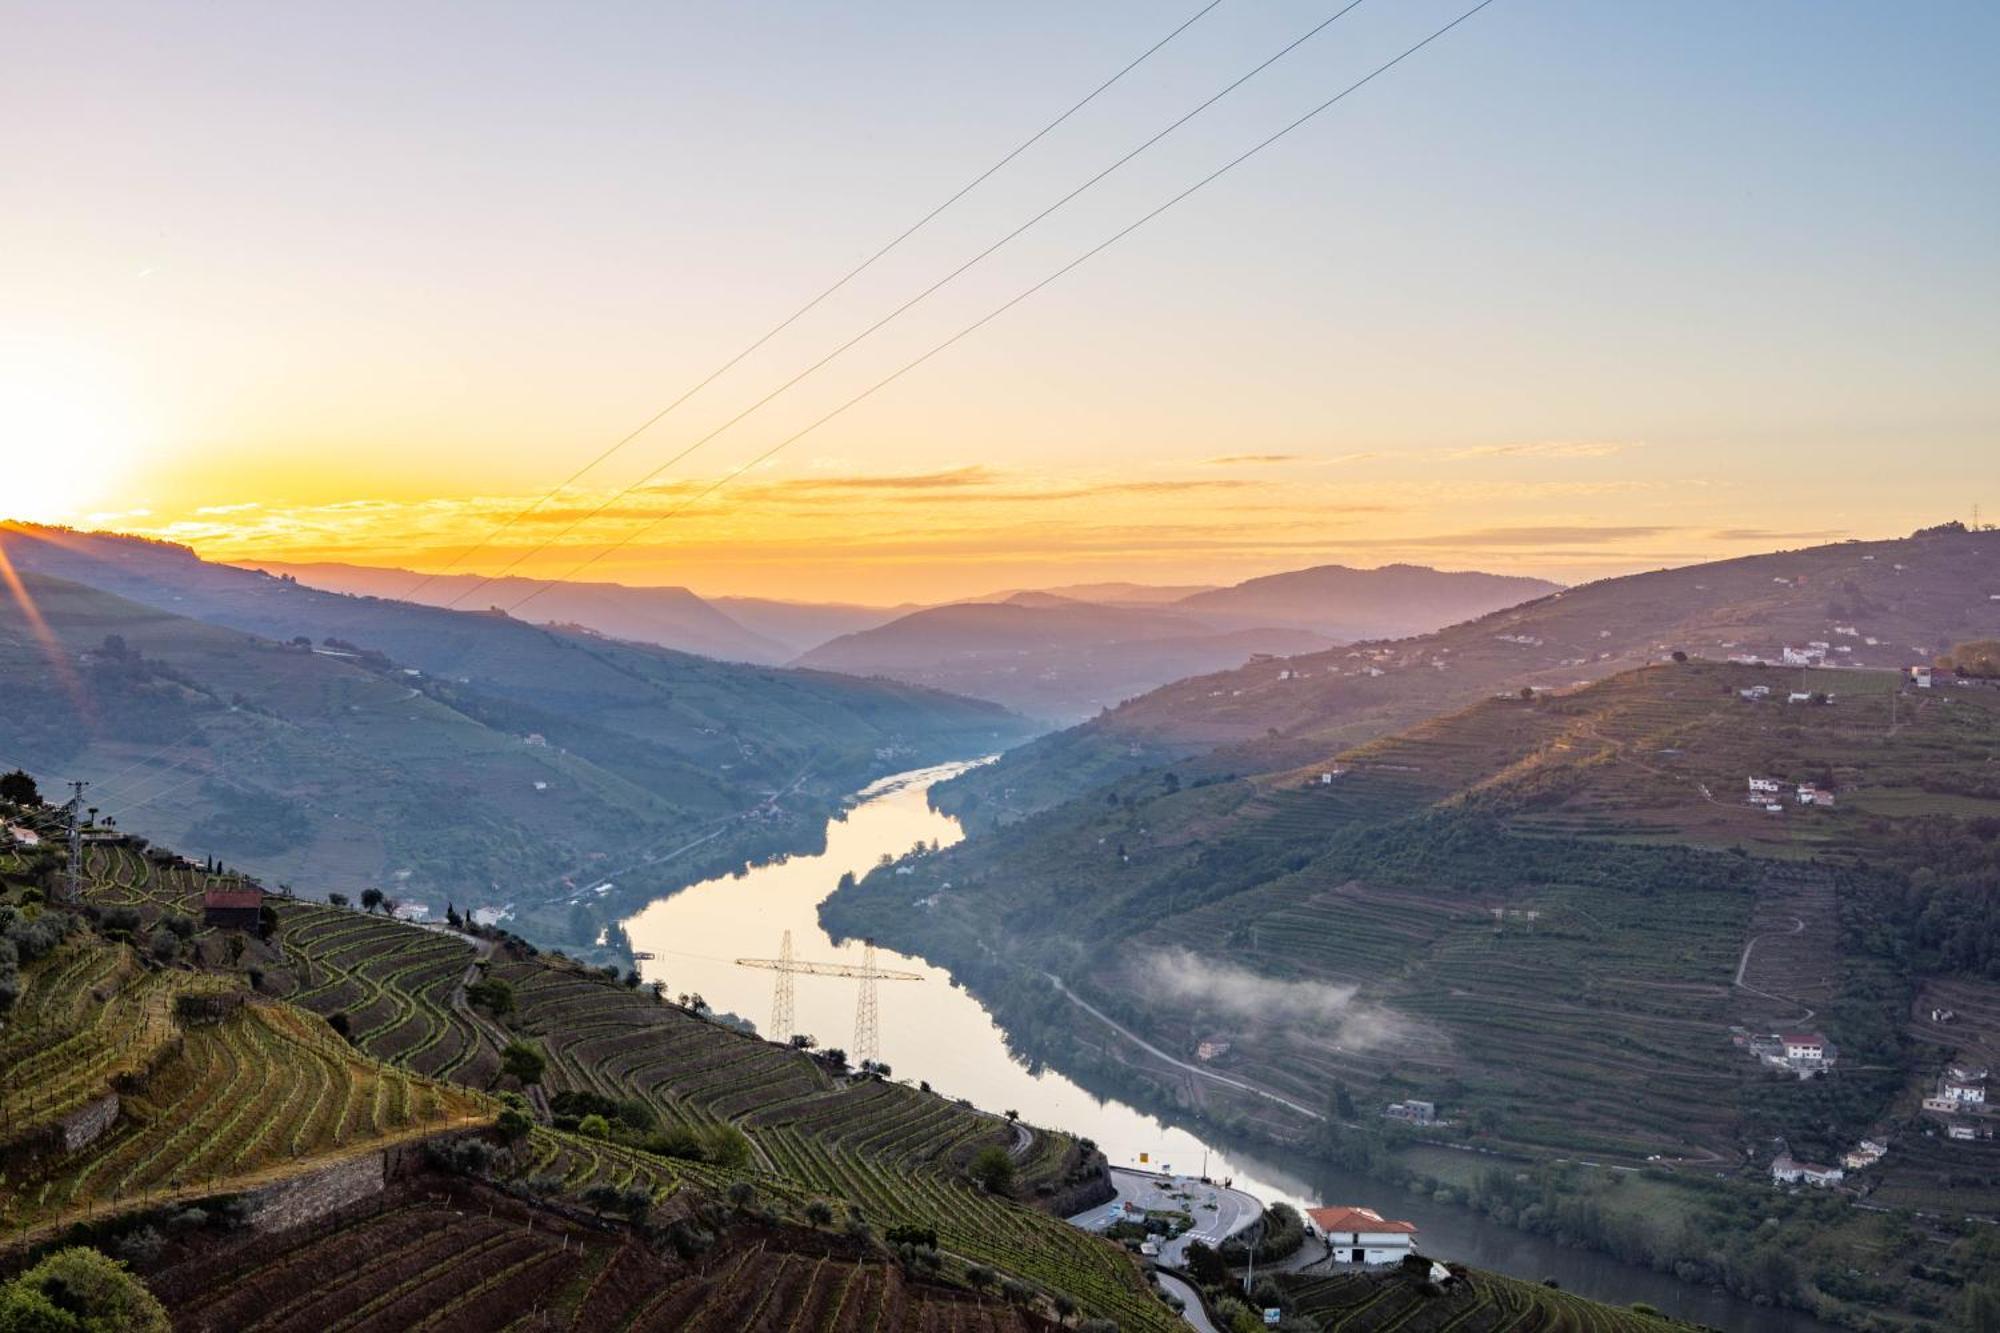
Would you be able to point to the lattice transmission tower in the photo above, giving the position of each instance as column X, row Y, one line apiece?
column 867, row 1018
column 867, row 1022
column 782, row 1022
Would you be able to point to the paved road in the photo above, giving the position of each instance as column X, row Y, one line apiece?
column 1191, row 1310
column 1218, row 1213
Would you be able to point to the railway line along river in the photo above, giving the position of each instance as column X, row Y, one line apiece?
column 931, row 1029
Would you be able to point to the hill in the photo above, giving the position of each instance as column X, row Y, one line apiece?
column 801, row 626
column 1392, row 602
column 347, row 1071
column 327, row 1125
column 1901, row 600
column 670, row 617
column 1046, row 655
column 503, row 754
column 1559, row 921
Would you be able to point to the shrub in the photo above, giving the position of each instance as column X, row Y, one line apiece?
column 594, row 1127
column 819, row 1213
column 725, row 1146
column 142, row 1246
column 992, row 1169
column 523, row 1061
column 82, row 1290
column 514, row 1124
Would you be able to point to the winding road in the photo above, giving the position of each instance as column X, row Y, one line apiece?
column 1743, row 966
column 1159, row 1054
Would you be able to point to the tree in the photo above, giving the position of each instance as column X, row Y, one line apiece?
column 820, row 1213
column 594, row 1127
column 1528, row 692
column 493, row 995
column 78, row 1290
column 992, row 1169
column 523, row 1061
column 371, row 899
column 1680, row 656
column 337, row 899
column 1206, row 1265
column 1343, row 1102
column 19, row 788
column 514, row 1124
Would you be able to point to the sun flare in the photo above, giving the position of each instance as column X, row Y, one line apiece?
column 65, row 440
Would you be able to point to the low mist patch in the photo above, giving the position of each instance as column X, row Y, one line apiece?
column 1250, row 999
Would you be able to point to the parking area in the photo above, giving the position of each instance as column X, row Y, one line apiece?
column 1217, row 1211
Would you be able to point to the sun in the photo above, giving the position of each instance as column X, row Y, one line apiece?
column 66, row 445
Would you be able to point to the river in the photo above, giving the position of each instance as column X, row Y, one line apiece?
column 930, row 1029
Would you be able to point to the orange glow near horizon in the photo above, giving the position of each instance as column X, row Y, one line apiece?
column 281, row 298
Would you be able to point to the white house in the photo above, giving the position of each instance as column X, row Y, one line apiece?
column 1361, row 1235
column 27, row 837
column 1803, row 1047
column 1799, row 697
column 1964, row 1094
column 1811, row 793
column 1787, row 1170
column 1765, row 784
column 1920, row 676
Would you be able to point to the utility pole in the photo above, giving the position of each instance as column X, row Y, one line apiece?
column 75, row 875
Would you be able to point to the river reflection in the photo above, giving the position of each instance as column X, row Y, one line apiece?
column 932, row 1030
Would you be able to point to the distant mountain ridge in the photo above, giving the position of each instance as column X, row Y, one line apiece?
column 1901, row 598
column 1390, row 602
column 1058, row 654
column 643, row 750
column 671, row 617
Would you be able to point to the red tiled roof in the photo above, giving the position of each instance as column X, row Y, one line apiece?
column 250, row 898
column 1350, row 1218
column 1802, row 1039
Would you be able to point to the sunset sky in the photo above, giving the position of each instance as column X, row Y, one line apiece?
column 1580, row 288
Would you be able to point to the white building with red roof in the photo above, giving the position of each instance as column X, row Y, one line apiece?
column 1356, row 1235
column 1803, row 1047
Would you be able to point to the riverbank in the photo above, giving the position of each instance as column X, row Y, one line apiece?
column 938, row 1029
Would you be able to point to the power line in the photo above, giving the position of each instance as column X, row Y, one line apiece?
column 921, row 296
column 994, row 314
column 844, row 279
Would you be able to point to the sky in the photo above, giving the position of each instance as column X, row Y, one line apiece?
column 1579, row 288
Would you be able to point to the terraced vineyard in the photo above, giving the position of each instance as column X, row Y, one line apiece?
column 261, row 1090
column 89, row 1015
column 472, row 1259
column 1473, row 1302
column 271, row 1090
column 605, row 1038
column 395, row 983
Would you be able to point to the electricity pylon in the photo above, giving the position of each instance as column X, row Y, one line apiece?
column 867, row 1024
column 867, row 1030
column 75, row 868
column 782, row 1022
